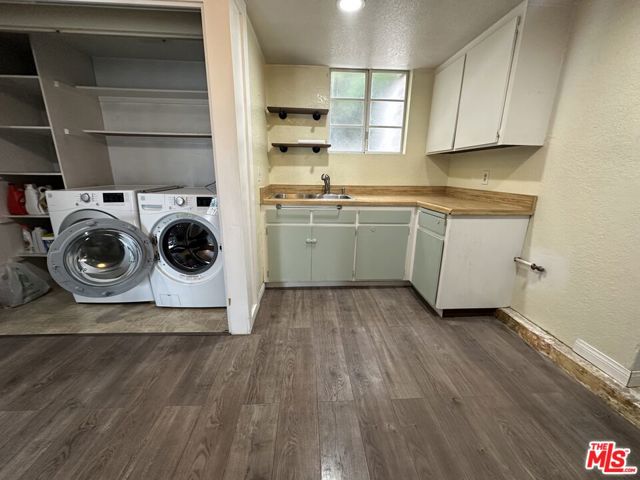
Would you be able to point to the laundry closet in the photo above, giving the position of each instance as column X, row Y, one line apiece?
column 98, row 96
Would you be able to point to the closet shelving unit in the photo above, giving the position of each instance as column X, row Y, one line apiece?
column 90, row 109
column 27, row 149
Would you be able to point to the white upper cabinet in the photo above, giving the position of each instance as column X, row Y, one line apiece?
column 484, row 89
column 509, row 78
column 444, row 107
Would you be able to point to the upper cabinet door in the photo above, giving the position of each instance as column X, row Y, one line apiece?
column 484, row 88
column 444, row 107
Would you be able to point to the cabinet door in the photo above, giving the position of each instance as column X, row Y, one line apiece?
column 484, row 88
column 444, row 107
column 332, row 253
column 289, row 250
column 426, row 265
column 381, row 252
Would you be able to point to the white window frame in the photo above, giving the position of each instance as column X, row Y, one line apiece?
column 367, row 107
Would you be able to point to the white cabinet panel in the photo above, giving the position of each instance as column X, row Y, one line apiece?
column 444, row 107
column 484, row 88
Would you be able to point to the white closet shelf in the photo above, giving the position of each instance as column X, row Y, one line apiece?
column 36, row 129
column 18, row 76
column 30, row 174
column 32, row 254
column 115, row 133
column 29, row 84
column 143, row 92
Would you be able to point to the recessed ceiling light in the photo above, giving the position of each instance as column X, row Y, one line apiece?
column 350, row 5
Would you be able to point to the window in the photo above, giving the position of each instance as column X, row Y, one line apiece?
column 367, row 110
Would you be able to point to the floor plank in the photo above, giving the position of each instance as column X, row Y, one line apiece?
column 297, row 451
column 251, row 456
column 333, row 379
column 341, row 451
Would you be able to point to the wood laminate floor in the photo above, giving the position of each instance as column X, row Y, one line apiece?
column 58, row 313
column 335, row 384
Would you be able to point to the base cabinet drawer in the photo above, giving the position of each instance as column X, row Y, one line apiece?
column 289, row 250
column 426, row 265
column 381, row 252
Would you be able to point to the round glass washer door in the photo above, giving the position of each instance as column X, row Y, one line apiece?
column 100, row 257
column 187, row 244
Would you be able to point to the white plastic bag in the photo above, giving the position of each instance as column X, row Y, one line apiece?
column 21, row 283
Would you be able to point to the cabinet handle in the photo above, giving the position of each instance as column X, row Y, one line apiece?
column 311, row 241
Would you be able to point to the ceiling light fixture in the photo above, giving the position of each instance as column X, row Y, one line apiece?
column 350, row 5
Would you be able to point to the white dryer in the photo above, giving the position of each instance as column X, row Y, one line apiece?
column 100, row 254
column 184, row 227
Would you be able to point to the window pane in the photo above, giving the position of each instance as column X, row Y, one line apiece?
column 348, row 84
column 347, row 112
column 388, row 85
column 388, row 114
column 347, row 139
column 385, row 139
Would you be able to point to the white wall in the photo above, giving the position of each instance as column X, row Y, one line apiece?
column 308, row 86
column 586, row 229
column 258, row 140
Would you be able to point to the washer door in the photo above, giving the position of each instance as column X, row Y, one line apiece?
column 100, row 257
column 187, row 243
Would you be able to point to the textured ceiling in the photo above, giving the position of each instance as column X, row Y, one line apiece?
column 385, row 34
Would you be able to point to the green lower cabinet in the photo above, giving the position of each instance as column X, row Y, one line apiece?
column 289, row 250
column 426, row 265
column 332, row 253
column 381, row 252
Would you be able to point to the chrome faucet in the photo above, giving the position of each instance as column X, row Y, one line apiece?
column 327, row 183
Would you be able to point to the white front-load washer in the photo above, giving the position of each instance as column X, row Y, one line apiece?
column 184, row 226
column 100, row 253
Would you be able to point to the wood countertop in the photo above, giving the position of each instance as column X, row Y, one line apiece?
column 447, row 200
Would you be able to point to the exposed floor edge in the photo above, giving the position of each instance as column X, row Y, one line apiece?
column 115, row 334
column 625, row 401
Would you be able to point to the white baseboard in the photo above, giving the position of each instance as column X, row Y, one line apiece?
column 634, row 379
column 256, row 307
column 605, row 363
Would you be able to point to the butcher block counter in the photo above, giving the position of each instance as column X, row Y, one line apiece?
column 446, row 200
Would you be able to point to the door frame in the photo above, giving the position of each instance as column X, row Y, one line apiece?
column 229, row 107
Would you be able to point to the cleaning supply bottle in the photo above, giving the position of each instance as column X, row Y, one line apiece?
column 16, row 200
column 32, row 199
column 42, row 198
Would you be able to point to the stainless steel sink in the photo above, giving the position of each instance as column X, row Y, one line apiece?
column 310, row 196
column 334, row 196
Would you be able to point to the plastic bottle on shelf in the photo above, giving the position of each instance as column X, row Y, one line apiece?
column 16, row 200
column 42, row 198
column 32, row 199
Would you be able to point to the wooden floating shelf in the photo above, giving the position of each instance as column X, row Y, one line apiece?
column 316, row 147
column 282, row 112
column 143, row 92
column 114, row 133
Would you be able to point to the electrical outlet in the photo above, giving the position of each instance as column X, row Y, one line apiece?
column 485, row 177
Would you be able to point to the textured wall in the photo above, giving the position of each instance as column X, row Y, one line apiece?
column 258, row 138
column 586, row 229
column 306, row 86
